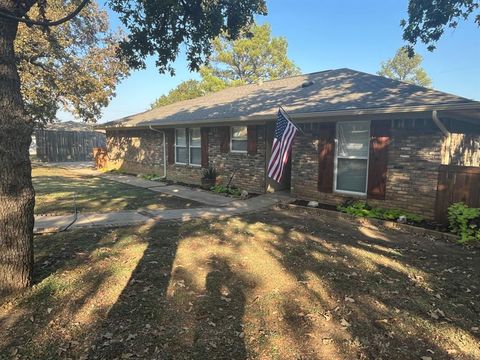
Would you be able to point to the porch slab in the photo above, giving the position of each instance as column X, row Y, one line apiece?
column 205, row 197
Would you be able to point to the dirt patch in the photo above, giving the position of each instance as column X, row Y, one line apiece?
column 273, row 285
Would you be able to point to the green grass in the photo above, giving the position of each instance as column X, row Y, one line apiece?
column 56, row 188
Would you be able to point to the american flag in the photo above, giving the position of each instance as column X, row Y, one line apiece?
column 282, row 144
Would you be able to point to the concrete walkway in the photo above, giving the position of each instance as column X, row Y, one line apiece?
column 199, row 195
column 45, row 224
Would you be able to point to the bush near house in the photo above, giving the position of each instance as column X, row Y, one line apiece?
column 362, row 208
column 227, row 190
column 465, row 222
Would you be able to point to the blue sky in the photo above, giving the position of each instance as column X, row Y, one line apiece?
column 331, row 34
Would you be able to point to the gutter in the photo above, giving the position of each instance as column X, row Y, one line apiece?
column 164, row 151
column 379, row 112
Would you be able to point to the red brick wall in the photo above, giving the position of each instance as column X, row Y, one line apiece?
column 141, row 151
column 413, row 161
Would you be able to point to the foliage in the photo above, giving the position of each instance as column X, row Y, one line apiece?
column 464, row 221
column 404, row 68
column 191, row 89
column 362, row 208
column 222, row 189
column 257, row 56
column 161, row 27
column 427, row 19
column 73, row 67
column 152, row 177
column 209, row 173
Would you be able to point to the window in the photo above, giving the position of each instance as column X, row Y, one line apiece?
column 351, row 161
column 238, row 139
column 194, row 141
column 188, row 147
column 181, row 155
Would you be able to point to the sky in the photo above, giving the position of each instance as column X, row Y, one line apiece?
column 329, row 34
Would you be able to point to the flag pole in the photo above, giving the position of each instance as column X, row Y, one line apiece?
column 290, row 118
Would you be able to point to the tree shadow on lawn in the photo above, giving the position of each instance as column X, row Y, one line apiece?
column 45, row 321
column 402, row 296
column 163, row 312
column 270, row 285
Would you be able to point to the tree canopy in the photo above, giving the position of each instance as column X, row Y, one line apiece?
column 191, row 89
column 405, row 68
column 256, row 57
column 73, row 67
column 427, row 19
column 160, row 27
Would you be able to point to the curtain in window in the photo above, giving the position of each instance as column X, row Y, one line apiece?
column 352, row 156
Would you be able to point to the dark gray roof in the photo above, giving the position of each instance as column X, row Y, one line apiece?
column 69, row 126
column 327, row 91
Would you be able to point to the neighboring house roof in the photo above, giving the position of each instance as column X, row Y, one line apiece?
column 340, row 91
column 68, row 126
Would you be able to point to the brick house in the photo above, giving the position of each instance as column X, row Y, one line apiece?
column 364, row 136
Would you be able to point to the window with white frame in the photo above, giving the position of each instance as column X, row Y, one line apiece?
column 194, row 142
column 181, row 154
column 238, row 139
column 351, row 160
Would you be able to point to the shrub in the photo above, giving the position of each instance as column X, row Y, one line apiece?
column 153, row 177
column 209, row 173
column 222, row 189
column 464, row 221
column 362, row 208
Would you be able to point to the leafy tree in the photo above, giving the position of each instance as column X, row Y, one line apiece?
column 191, row 89
column 405, row 68
column 60, row 69
column 427, row 19
column 154, row 28
column 255, row 57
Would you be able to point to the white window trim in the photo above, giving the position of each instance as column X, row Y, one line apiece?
column 194, row 147
column 186, row 145
column 231, row 140
column 335, row 170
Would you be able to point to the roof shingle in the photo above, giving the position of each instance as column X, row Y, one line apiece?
column 325, row 91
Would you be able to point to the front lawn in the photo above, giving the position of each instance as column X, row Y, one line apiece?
column 273, row 285
column 56, row 187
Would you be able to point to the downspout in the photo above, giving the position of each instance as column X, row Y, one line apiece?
column 439, row 124
column 445, row 132
column 164, row 151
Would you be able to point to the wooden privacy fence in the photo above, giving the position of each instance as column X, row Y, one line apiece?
column 456, row 184
column 57, row 146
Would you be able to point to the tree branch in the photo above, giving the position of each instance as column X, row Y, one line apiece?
column 47, row 23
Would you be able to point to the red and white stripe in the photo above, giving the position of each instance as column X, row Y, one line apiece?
column 281, row 152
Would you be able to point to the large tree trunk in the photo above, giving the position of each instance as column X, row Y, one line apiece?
column 17, row 197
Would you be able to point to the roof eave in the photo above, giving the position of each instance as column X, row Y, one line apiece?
column 385, row 112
